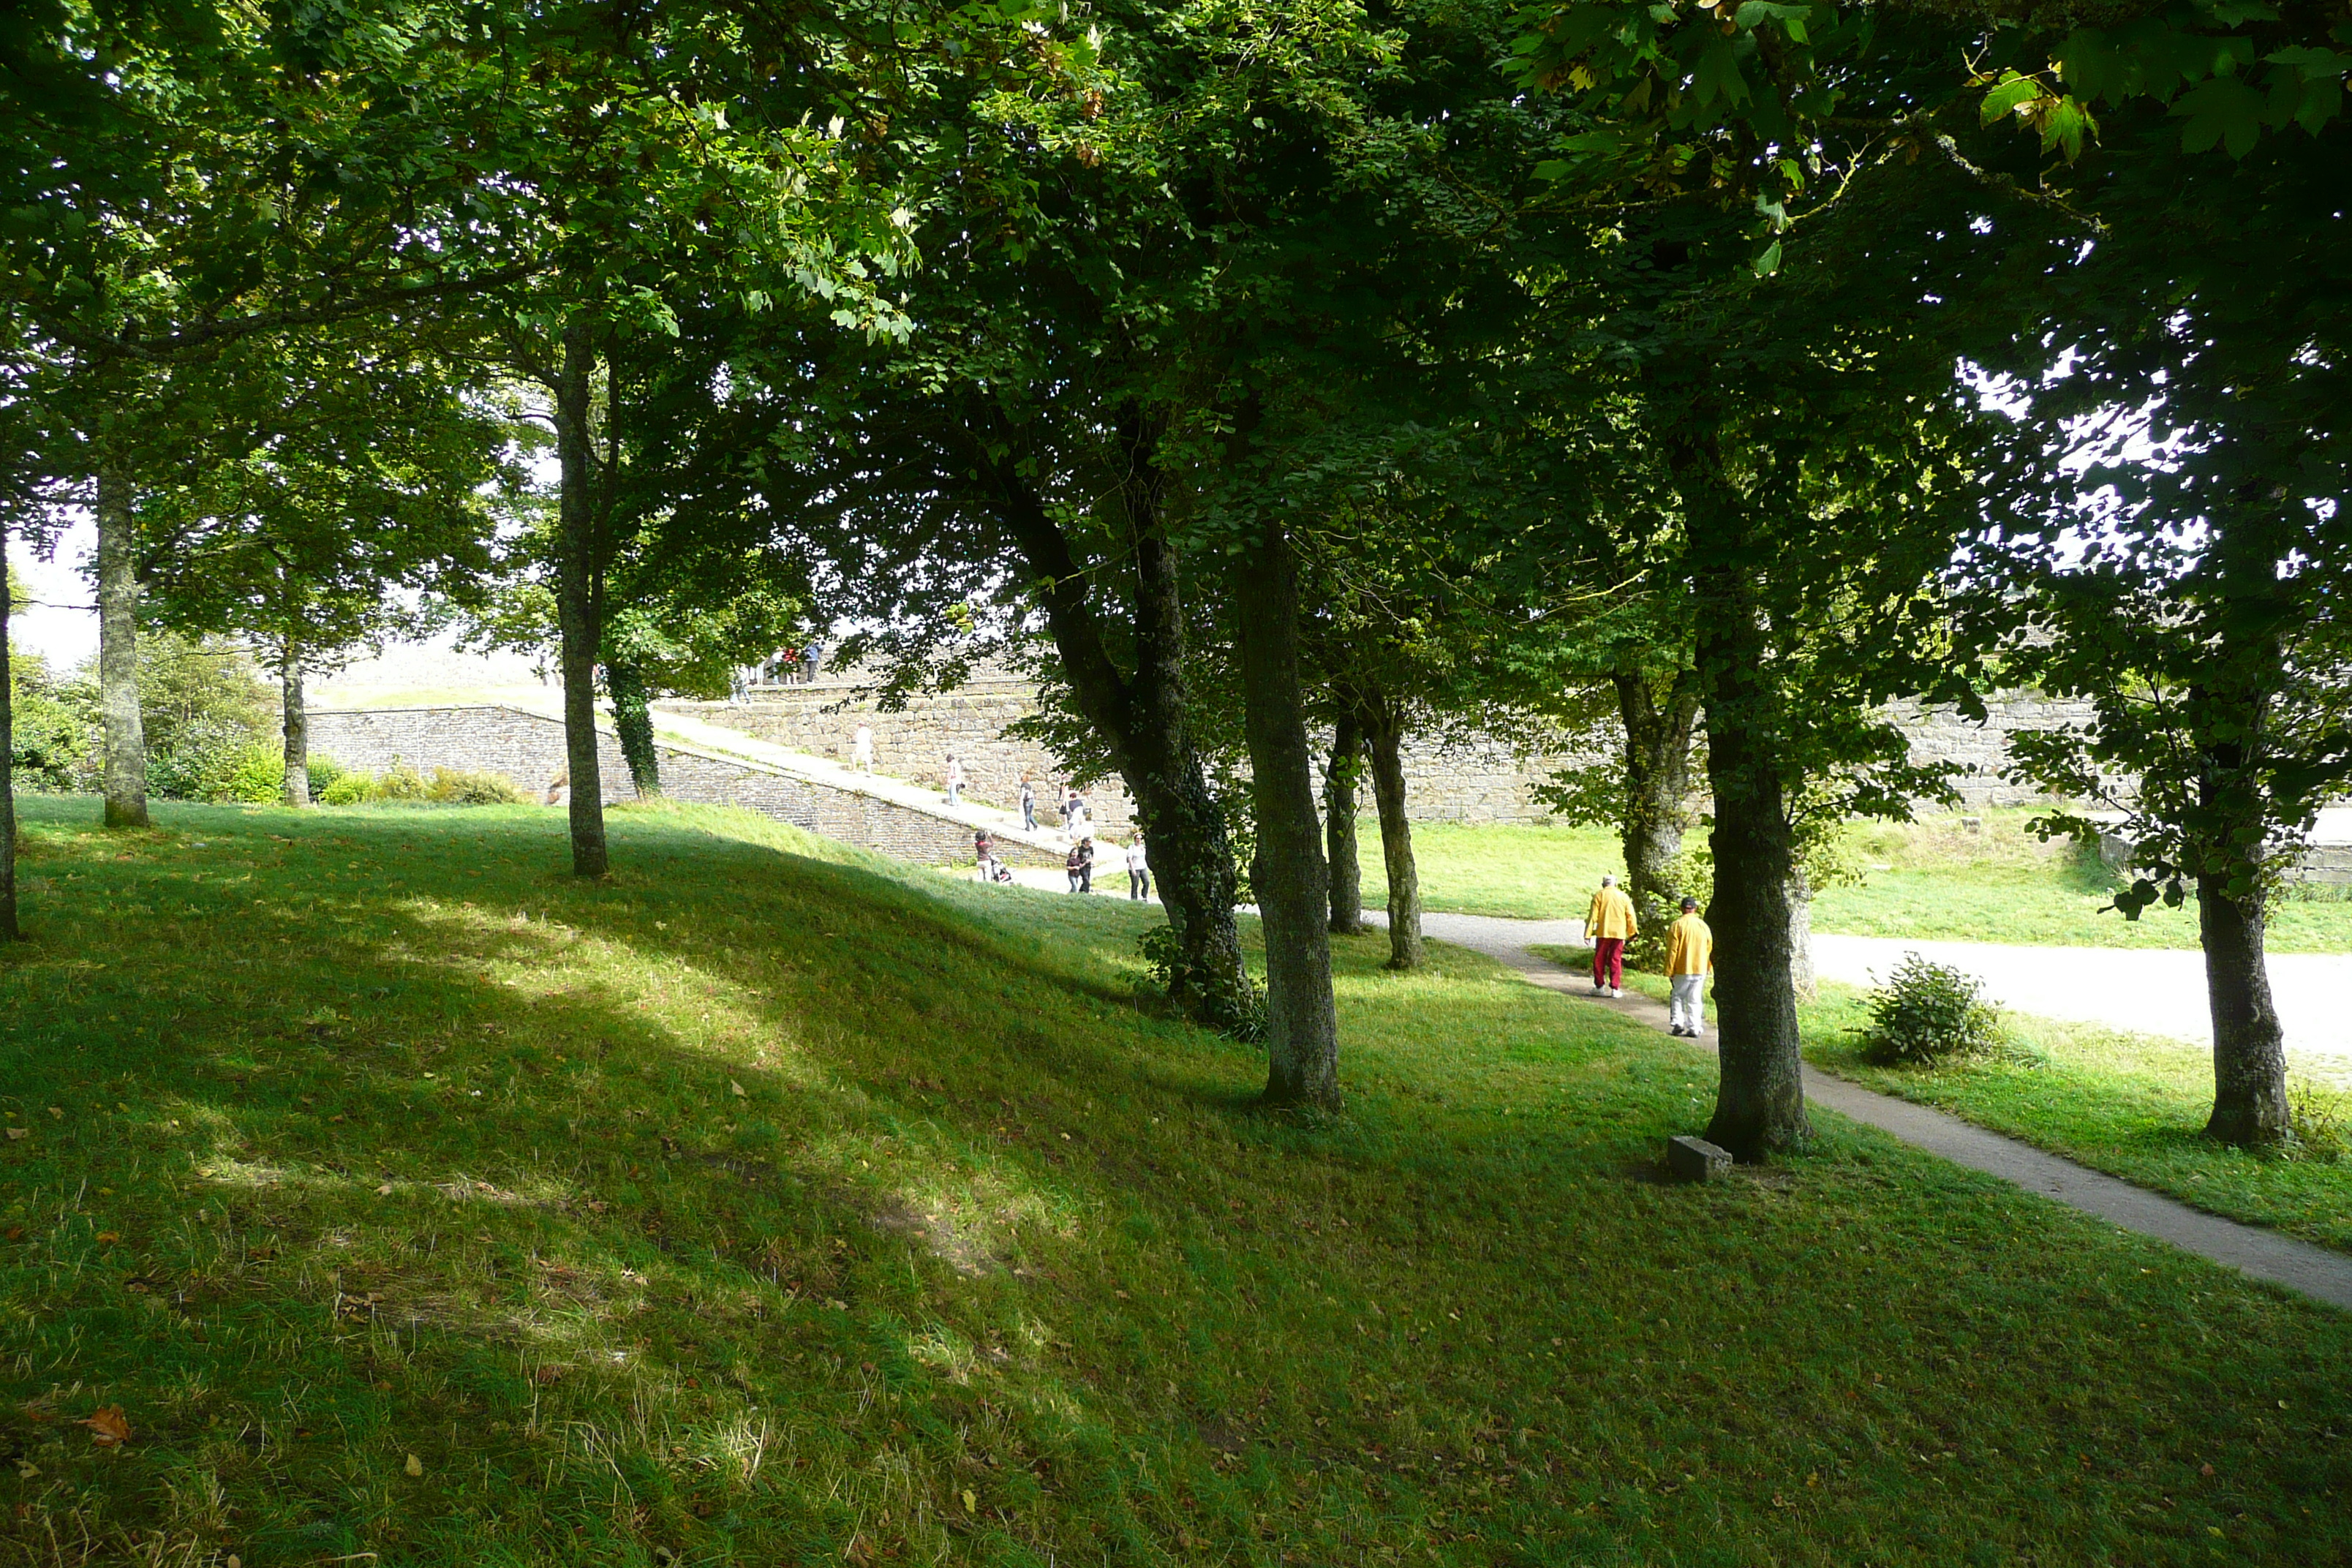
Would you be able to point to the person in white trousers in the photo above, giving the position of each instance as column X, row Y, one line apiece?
column 861, row 749
column 1690, row 959
column 955, row 779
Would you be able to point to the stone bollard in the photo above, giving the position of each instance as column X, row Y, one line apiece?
column 1691, row 1159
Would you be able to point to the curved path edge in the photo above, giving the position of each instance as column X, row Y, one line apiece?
column 2265, row 1255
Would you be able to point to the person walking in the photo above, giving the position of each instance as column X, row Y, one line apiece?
column 1609, row 923
column 1690, row 959
column 1139, row 870
column 1028, row 803
column 861, row 748
column 955, row 779
column 1081, row 865
column 1069, row 809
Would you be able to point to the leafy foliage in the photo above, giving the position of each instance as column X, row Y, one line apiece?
column 1928, row 1012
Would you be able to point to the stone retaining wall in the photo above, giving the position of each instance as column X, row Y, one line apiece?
column 1481, row 781
column 528, row 748
column 1470, row 781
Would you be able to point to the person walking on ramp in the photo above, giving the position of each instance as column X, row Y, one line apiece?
column 1028, row 803
column 1610, row 923
column 1690, row 959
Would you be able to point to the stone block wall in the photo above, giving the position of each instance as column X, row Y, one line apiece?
column 914, row 742
column 1940, row 735
column 528, row 748
column 1480, row 781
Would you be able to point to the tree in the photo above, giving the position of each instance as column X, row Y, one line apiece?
column 2174, row 544
column 328, row 519
column 194, row 180
column 646, row 162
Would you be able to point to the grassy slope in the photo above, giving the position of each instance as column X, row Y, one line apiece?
column 2131, row 1105
column 987, row 1263
column 1927, row 879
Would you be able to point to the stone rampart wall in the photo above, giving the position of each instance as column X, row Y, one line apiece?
column 528, row 748
column 1472, row 780
column 1480, row 781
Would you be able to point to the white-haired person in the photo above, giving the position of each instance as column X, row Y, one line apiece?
column 1609, row 925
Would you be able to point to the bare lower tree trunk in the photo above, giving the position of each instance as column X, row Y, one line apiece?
column 1802, row 983
column 1147, row 721
column 296, row 726
column 1384, row 736
column 8, row 931
column 118, row 658
column 576, row 596
column 1658, row 729
column 1340, row 784
column 632, row 717
column 2250, row 1104
column 1293, row 886
column 1759, row 1107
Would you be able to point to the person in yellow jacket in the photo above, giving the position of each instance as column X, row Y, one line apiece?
column 1690, row 959
column 1609, row 923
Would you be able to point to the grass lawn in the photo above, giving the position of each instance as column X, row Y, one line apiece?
column 2131, row 1105
column 766, row 1204
column 1931, row 879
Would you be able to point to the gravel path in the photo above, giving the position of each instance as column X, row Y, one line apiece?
column 2316, row 1271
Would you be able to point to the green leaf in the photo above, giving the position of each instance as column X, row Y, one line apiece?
column 1719, row 74
column 2007, row 95
column 1769, row 261
column 2224, row 110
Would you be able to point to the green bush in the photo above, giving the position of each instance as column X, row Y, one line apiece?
column 252, row 774
column 1926, row 1012
column 462, row 786
column 1241, row 1017
column 401, row 782
column 348, row 789
column 325, row 773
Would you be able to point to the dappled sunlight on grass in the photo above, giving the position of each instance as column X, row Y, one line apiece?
column 990, row 1261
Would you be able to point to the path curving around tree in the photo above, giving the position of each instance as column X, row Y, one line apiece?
column 2265, row 1255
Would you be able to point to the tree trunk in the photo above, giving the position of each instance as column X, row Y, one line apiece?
column 1294, row 889
column 1339, row 785
column 1147, row 721
column 1802, row 983
column 296, row 726
column 118, row 658
column 577, row 610
column 8, row 931
column 633, row 717
column 1760, row 1108
column 2250, row 1104
column 1657, row 789
column 1384, row 733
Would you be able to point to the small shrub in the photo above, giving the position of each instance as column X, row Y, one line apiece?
column 255, row 775
column 325, row 773
column 347, row 789
column 2323, row 1124
column 1241, row 1017
column 401, row 782
column 460, row 786
column 1926, row 1012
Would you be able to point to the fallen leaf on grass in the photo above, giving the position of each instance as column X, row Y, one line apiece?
column 106, row 1426
column 970, row 1502
column 384, row 1191
column 16, row 1132
column 415, row 1467
column 106, row 1236
column 736, row 1089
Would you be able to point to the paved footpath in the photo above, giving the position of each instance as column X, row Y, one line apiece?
column 2316, row 1271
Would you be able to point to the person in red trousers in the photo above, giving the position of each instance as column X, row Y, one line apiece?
column 1609, row 923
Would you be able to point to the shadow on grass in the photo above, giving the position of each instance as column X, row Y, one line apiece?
column 377, row 1139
